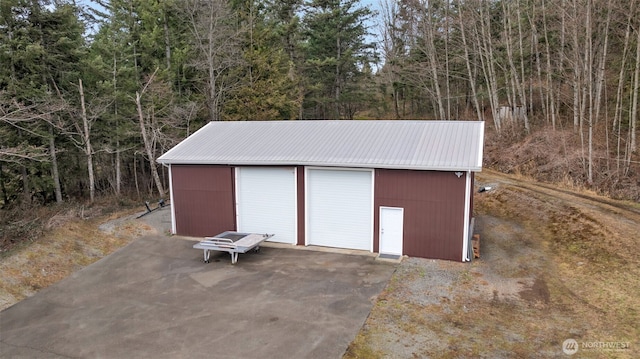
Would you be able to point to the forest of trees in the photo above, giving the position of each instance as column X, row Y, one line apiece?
column 92, row 93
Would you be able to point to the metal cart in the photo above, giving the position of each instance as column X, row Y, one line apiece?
column 232, row 243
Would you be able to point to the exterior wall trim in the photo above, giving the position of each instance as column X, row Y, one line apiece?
column 301, row 198
column 295, row 204
column 236, row 213
column 467, row 215
column 173, row 208
column 373, row 208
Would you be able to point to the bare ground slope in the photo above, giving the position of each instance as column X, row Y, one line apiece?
column 555, row 264
column 70, row 243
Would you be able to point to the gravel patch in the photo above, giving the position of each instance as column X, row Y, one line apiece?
column 436, row 308
column 428, row 281
column 156, row 222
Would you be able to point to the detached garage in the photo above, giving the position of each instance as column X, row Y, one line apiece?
column 391, row 187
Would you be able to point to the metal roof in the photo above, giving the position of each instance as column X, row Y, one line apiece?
column 393, row 144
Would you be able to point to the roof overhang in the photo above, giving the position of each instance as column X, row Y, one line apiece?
column 396, row 144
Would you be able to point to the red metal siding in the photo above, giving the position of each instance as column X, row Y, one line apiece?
column 471, row 191
column 203, row 199
column 433, row 205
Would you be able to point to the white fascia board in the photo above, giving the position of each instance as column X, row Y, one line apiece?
column 481, row 149
column 324, row 165
column 166, row 160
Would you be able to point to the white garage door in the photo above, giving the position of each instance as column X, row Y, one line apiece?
column 339, row 208
column 266, row 201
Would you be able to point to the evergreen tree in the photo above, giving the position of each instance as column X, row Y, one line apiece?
column 337, row 52
column 43, row 46
column 138, row 41
column 266, row 89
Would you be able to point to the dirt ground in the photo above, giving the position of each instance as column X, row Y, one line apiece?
column 555, row 264
column 70, row 243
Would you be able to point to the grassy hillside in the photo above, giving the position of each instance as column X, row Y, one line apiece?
column 53, row 248
column 555, row 264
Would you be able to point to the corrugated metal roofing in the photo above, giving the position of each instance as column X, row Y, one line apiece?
column 395, row 144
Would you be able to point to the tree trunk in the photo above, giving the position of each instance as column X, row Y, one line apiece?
column 147, row 146
column 135, row 174
column 517, row 85
column 521, row 82
column 118, row 173
column 550, row 85
column 337, row 83
column 577, row 121
column 587, row 84
column 485, row 46
column 26, row 188
column 118, row 169
column 428, row 32
column 54, row 166
column 600, row 74
column 167, row 43
column 213, row 91
column 562, row 56
column 472, row 80
column 87, row 142
column 534, row 48
column 622, row 80
column 3, row 188
column 636, row 89
column 396, row 107
column 447, row 74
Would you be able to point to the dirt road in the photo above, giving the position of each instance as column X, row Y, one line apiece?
column 555, row 265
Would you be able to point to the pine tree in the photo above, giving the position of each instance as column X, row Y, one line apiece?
column 266, row 90
column 43, row 48
column 337, row 52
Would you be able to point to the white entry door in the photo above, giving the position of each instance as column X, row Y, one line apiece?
column 391, row 230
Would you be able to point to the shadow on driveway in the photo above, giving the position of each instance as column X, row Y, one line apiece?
column 156, row 298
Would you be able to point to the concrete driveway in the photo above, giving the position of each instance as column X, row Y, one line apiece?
column 156, row 298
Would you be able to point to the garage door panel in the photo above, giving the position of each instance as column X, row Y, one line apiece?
column 339, row 208
column 266, row 202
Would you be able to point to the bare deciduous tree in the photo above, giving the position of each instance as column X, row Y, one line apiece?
column 145, row 133
column 27, row 119
column 217, row 39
